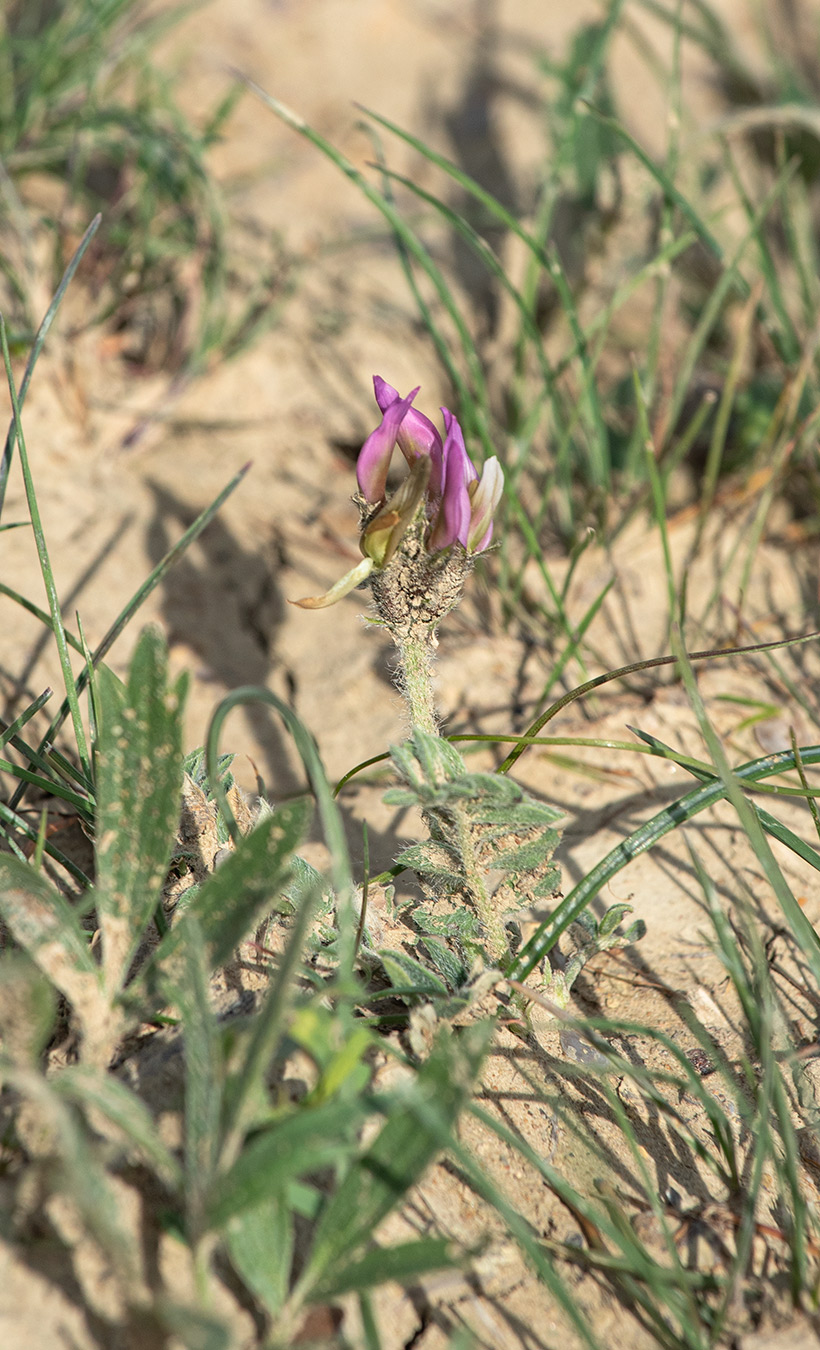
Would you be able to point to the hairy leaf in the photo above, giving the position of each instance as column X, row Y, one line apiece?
column 139, row 781
column 260, row 1245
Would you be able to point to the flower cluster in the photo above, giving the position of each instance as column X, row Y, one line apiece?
column 443, row 492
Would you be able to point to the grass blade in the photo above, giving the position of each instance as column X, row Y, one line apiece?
column 644, row 838
column 37, row 347
column 45, row 567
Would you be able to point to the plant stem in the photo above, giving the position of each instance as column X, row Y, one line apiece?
column 416, row 665
column 491, row 922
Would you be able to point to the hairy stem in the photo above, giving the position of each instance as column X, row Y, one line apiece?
column 416, row 669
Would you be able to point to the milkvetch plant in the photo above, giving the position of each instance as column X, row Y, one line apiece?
column 487, row 865
column 418, row 545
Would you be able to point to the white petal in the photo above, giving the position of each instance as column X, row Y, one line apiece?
column 348, row 583
column 484, row 498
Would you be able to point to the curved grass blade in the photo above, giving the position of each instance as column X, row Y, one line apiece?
column 643, row 839
column 652, row 664
column 770, row 823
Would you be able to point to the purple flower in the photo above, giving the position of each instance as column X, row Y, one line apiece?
column 458, row 506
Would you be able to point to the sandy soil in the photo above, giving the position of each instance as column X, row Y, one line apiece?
column 123, row 462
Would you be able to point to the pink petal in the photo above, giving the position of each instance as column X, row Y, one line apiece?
column 452, row 521
column 417, row 434
column 375, row 455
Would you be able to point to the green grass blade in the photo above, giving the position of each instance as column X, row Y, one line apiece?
column 42, row 332
column 125, row 616
column 644, row 838
column 45, row 567
column 632, row 669
column 49, row 786
column 11, row 729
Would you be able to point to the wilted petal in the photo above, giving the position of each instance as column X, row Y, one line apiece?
column 374, row 457
column 484, row 498
column 348, row 583
column 452, row 522
column 383, row 534
column 417, row 435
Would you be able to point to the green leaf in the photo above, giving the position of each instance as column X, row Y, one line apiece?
column 527, row 857
column 400, row 1153
column 260, row 1245
column 404, row 972
column 521, row 813
column 193, row 1328
column 94, row 1088
column 203, row 1074
column 459, row 923
column 610, row 920
column 139, row 780
column 404, row 1263
column 446, row 962
column 308, row 1140
column 436, row 860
